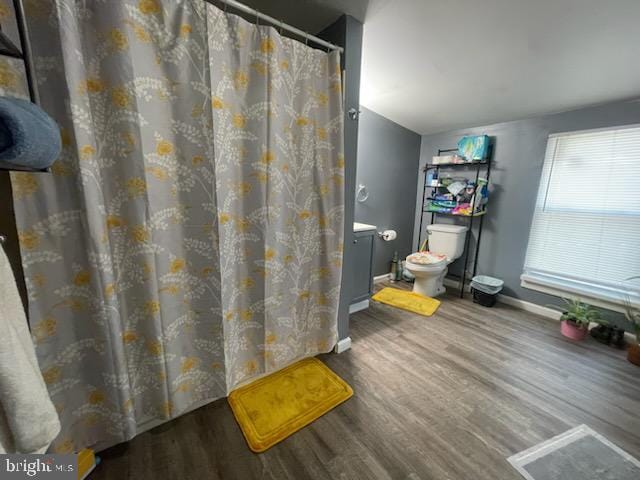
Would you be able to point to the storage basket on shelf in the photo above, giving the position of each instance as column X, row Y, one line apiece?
column 485, row 289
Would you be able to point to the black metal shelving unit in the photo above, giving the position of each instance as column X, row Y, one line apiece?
column 478, row 166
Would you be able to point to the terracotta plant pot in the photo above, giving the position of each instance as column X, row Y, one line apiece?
column 572, row 331
column 633, row 354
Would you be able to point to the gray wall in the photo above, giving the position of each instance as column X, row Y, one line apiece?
column 388, row 157
column 347, row 32
column 517, row 164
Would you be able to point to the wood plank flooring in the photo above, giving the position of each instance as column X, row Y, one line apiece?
column 446, row 397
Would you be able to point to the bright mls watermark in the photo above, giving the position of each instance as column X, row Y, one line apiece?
column 51, row 467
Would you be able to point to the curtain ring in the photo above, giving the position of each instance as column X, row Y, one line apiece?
column 226, row 5
column 306, row 38
column 257, row 18
column 281, row 26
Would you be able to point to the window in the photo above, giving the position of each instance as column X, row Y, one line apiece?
column 585, row 234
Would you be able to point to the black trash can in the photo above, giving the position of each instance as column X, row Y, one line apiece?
column 485, row 290
column 484, row 299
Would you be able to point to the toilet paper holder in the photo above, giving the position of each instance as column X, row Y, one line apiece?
column 387, row 235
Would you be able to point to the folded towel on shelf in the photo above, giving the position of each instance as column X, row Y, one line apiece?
column 444, row 203
column 438, row 209
column 29, row 138
column 28, row 420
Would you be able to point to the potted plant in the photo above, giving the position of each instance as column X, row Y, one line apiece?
column 632, row 313
column 575, row 319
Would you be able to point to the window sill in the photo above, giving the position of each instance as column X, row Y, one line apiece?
column 591, row 294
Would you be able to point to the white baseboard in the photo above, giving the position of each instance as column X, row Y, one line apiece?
column 380, row 278
column 356, row 307
column 342, row 345
column 450, row 282
column 530, row 307
column 547, row 312
column 514, row 302
column 527, row 306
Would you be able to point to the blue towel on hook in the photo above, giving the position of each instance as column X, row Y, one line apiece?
column 29, row 138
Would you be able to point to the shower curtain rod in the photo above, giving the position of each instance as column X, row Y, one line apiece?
column 277, row 23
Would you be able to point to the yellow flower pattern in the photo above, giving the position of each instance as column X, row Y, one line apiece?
column 164, row 147
column 149, row 7
column 82, row 278
column 118, row 39
column 140, row 234
column 28, row 239
column 136, row 186
column 23, row 184
column 177, row 265
column 267, row 45
column 239, row 120
column 120, row 97
column 9, row 76
column 217, row 103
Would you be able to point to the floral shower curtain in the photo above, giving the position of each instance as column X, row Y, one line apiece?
column 189, row 238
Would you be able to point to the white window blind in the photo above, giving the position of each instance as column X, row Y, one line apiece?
column 585, row 234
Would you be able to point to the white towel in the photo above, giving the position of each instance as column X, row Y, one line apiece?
column 28, row 420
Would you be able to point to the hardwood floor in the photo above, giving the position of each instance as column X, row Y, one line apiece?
column 445, row 397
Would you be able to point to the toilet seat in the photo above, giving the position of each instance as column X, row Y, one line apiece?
column 427, row 261
column 432, row 267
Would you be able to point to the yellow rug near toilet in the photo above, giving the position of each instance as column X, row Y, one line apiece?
column 406, row 300
column 278, row 405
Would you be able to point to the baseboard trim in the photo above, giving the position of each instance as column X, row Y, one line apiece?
column 546, row 312
column 356, row 307
column 530, row 307
column 450, row 282
column 342, row 345
column 380, row 278
column 514, row 302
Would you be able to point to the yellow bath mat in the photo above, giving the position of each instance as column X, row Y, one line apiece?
column 273, row 407
column 414, row 302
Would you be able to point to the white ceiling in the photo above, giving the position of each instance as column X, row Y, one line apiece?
column 435, row 65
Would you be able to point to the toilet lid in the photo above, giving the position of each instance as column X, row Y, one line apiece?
column 426, row 258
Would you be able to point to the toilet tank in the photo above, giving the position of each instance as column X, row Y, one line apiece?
column 447, row 239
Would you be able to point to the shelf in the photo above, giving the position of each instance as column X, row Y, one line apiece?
column 431, row 166
column 449, row 214
column 16, row 168
column 475, row 168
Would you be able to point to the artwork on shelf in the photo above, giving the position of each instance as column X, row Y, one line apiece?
column 473, row 147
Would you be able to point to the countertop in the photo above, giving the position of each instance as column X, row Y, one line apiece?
column 362, row 227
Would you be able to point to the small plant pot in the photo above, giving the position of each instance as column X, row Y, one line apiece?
column 633, row 354
column 572, row 331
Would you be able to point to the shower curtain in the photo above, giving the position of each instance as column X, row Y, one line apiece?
column 189, row 238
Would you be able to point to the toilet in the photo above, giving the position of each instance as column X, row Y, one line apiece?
column 446, row 244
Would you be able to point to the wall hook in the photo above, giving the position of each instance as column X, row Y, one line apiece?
column 362, row 193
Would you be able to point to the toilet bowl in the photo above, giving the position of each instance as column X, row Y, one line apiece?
column 446, row 244
column 429, row 277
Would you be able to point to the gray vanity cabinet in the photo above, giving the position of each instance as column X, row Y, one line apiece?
column 362, row 255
